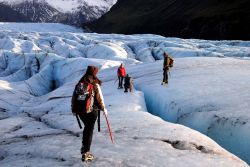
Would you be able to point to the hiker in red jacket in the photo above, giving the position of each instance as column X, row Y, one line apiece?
column 121, row 73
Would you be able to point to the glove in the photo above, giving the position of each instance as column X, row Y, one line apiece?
column 105, row 111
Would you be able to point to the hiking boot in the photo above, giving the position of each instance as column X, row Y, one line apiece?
column 87, row 156
column 164, row 83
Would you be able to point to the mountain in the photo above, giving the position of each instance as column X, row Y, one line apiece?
column 65, row 11
column 10, row 15
column 208, row 19
column 37, row 11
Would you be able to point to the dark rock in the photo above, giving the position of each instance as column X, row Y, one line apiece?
column 207, row 19
column 8, row 14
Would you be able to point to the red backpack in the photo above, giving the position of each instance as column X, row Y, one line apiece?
column 84, row 98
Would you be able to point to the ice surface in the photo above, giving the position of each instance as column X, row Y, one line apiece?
column 38, row 71
column 210, row 95
column 33, row 27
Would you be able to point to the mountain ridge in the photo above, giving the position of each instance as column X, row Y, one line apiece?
column 62, row 11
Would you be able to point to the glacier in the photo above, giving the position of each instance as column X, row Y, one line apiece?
column 208, row 92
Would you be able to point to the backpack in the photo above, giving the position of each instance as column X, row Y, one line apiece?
column 84, row 98
column 171, row 62
column 127, row 81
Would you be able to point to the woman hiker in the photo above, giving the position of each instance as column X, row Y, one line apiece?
column 86, row 102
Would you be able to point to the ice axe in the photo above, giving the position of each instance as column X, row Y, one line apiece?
column 109, row 128
column 115, row 81
column 79, row 123
column 99, row 120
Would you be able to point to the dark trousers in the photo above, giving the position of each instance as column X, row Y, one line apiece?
column 120, row 81
column 165, row 76
column 89, row 124
column 128, row 87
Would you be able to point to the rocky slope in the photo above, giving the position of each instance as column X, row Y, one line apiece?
column 8, row 14
column 208, row 19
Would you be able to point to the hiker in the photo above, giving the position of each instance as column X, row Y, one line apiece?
column 121, row 73
column 87, row 101
column 167, row 64
column 128, row 84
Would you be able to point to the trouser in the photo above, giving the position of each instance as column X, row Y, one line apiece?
column 165, row 76
column 89, row 124
column 120, row 78
column 128, row 87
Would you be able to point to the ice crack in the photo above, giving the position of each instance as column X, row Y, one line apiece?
column 184, row 145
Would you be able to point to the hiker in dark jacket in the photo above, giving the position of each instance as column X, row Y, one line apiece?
column 89, row 118
column 167, row 64
column 121, row 73
column 128, row 83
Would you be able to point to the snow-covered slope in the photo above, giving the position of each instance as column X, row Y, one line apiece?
column 38, row 71
column 66, row 11
column 33, row 27
column 66, row 5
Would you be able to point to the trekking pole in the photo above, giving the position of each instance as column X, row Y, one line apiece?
column 79, row 123
column 99, row 121
column 169, row 74
column 115, row 81
column 110, row 132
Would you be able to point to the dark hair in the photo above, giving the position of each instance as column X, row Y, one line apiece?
column 90, row 75
column 122, row 65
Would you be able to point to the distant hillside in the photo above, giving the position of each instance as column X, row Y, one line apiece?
column 7, row 14
column 206, row 19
